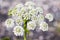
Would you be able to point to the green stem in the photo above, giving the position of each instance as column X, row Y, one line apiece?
column 25, row 26
column 24, row 36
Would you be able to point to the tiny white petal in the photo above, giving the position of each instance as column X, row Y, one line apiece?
column 9, row 23
column 31, row 25
column 44, row 26
column 49, row 16
column 18, row 31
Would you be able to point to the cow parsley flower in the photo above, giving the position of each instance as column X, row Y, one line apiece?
column 9, row 23
column 43, row 26
column 18, row 31
column 33, row 12
column 34, row 18
column 40, row 18
column 29, row 5
column 39, row 10
column 16, row 9
column 19, row 6
column 31, row 25
column 26, row 16
column 23, row 10
column 49, row 16
column 19, row 21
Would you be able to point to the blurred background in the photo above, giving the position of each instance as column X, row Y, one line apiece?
column 52, row 6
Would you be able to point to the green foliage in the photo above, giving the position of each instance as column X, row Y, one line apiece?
column 58, row 29
column 6, row 38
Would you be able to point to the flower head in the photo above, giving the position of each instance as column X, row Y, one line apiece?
column 18, row 31
column 31, row 25
column 33, row 12
column 39, row 10
column 43, row 26
column 30, row 5
column 34, row 18
column 49, row 16
column 19, row 6
column 40, row 18
column 26, row 16
column 9, row 23
column 19, row 21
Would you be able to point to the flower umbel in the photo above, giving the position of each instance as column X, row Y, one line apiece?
column 9, row 23
column 49, row 16
column 44, row 26
column 31, row 25
column 27, row 17
column 18, row 31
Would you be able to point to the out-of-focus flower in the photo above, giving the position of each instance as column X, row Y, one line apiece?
column 19, row 21
column 39, row 10
column 31, row 25
column 43, row 26
column 9, row 23
column 49, row 16
column 18, row 31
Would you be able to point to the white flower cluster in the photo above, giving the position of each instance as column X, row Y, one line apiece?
column 28, row 11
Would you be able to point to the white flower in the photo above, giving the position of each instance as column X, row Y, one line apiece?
column 18, row 31
column 26, row 16
column 34, row 18
column 9, row 23
column 12, row 12
column 43, row 26
column 39, row 10
column 31, row 25
column 19, row 21
column 29, row 3
column 33, row 12
column 19, row 5
column 20, row 14
column 49, row 16
column 23, row 10
column 40, row 18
